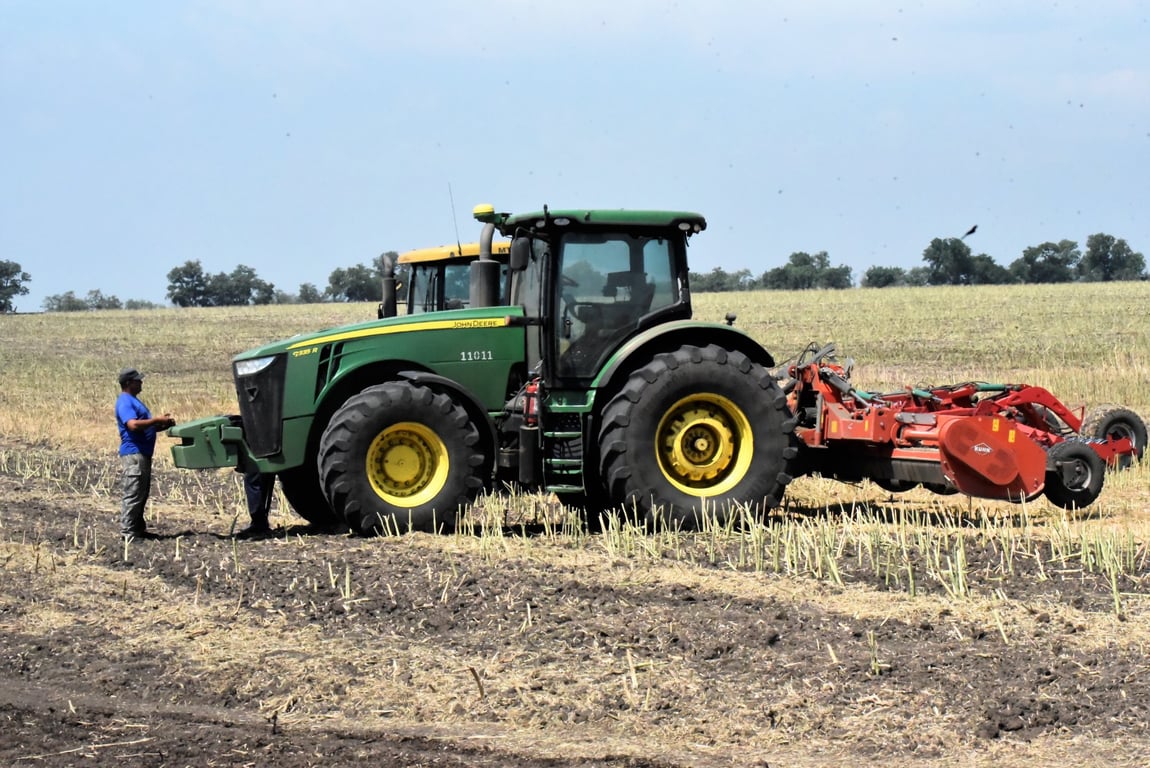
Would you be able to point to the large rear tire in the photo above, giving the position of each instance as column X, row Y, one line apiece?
column 696, row 431
column 1074, row 479
column 400, row 457
column 1108, row 421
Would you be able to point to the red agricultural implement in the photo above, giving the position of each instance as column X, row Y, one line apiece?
column 995, row 441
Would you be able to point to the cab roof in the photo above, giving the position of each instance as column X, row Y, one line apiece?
column 686, row 221
column 464, row 252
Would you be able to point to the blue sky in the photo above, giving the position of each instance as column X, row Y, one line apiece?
column 301, row 137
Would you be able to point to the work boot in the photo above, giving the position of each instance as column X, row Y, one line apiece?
column 255, row 531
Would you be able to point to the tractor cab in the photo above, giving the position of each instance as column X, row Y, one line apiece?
column 590, row 280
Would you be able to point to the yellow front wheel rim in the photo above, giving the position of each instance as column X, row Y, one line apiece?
column 407, row 464
column 704, row 444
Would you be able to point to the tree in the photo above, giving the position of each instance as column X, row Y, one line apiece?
column 358, row 283
column 1109, row 259
column 97, row 300
column 804, row 270
column 1047, row 263
column 986, row 271
column 141, row 304
column 707, row 282
column 718, row 280
column 188, row 285
column 12, row 279
column 836, row 278
column 70, row 302
column 883, row 277
column 238, row 289
column 65, row 302
column 800, row 272
column 948, row 262
column 309, row 294
column 263, row 292
column 918, row 276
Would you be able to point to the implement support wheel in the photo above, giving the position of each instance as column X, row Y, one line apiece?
column 1074, row 474
column 1108, row 421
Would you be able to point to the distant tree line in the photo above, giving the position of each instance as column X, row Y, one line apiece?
column 945, row 262
column 802, row 271
column 70, row 302
column 190, row 286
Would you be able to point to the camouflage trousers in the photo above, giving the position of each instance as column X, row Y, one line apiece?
column 136, row 484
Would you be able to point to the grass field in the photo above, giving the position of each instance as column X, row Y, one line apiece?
column 851, row 625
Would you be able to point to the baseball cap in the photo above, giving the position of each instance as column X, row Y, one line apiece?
column 130, row 374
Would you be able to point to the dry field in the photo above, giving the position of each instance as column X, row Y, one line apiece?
column 850, row 626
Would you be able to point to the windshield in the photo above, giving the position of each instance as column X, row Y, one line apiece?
column 421, row 295
column 428, row 281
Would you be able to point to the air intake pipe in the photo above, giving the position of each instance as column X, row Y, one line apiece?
column 387, row 297
column 485, row 272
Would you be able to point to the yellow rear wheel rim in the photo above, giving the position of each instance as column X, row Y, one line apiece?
column 704, row 445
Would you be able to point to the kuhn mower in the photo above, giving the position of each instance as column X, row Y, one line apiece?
column 1011, row 442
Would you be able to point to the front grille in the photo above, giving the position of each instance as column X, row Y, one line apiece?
column 261, row 399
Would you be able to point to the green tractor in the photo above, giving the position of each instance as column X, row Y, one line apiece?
column 589, row 380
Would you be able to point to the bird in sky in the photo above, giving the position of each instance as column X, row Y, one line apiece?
column 970, row 232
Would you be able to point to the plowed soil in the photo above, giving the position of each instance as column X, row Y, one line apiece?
column 524, row 646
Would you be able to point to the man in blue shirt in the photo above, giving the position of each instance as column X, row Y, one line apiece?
column 138, row 430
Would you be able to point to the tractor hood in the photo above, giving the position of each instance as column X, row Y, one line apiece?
column 483, row 317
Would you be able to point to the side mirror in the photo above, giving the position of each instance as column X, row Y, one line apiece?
column 520, row 254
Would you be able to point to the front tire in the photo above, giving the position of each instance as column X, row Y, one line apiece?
column 400, row 457
column 700, row 429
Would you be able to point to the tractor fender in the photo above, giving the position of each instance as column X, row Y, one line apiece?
column 465, row 397
column 666, row 337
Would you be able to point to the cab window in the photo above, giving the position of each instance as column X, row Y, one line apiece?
column 606, row 285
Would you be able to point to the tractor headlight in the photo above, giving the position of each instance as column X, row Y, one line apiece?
column 253, row 366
